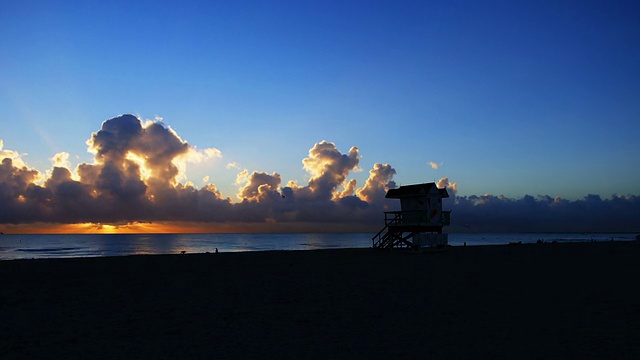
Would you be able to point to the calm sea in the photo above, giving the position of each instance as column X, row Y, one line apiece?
column 62, row 246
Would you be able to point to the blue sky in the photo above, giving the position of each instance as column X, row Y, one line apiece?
column 508, row 97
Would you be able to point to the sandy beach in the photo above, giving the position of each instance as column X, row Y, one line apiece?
column 566, row 300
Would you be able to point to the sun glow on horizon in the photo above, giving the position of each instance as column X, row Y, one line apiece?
column 98, row 228
column 179, row 227
column 169, row 227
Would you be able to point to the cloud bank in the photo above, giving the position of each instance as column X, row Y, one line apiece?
column 489, row 213
column 137, row 176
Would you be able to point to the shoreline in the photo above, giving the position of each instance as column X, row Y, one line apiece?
column 526, row 301
column 212, row 248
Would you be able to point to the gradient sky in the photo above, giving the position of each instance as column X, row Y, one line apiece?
column 508, row 98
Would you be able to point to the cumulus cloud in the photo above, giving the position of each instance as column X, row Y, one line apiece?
column 349, row 190
column 329, row 169
column 433, row 165
column 328, row 196
column 133, row 178
column 61, row 159
column 11, row 154
column 260, row 186
column 452, row 188
column 136, row 176
column 378, row 183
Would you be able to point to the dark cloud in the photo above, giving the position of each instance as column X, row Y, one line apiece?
column 543, row 213
column 17, row 191
column 116, row 138
column 261, row 187
column 134, row 178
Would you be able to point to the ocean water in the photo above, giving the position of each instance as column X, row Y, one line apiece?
column 63, row 246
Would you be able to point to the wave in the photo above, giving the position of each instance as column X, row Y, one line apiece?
column 52, row 250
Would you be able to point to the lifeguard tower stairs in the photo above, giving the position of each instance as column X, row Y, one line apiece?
column 420, row 222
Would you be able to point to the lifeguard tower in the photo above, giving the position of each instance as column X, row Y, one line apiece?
column 420, row 221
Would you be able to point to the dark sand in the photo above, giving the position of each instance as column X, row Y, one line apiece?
column 523, row 301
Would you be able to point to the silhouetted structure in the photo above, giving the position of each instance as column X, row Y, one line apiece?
column 420, row 221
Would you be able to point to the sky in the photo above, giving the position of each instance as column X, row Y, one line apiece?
column 513, row 105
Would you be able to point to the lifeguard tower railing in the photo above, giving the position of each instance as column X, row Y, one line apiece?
column 396, row 223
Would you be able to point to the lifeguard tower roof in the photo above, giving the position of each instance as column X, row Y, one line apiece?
column 418, row 189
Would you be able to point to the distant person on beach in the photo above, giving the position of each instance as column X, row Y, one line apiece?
column 216, row 250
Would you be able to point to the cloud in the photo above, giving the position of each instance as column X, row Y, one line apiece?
column 136, row 177
column 544, row 213
column 433, row 165
column 16, row 188
column 133, row 178
column 328, row 168
column 260, row 186
column 197, row 156
column 349, row 190
column 136, row 173
column 452, row 188
column 13, row 155
column 61, row 159
column 378, row 183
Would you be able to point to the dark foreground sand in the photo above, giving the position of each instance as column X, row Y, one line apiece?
column 527, row 301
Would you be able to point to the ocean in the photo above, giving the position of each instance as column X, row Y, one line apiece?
column 13, row 246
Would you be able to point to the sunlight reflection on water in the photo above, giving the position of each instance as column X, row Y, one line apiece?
column 61, row 246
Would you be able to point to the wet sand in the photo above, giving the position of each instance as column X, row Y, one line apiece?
column 573, row 300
